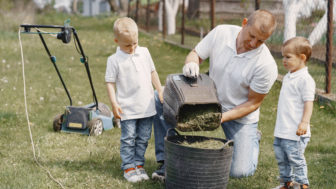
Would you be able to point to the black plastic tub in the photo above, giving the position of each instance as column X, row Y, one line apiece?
column 188, row 167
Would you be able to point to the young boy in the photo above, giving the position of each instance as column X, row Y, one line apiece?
column 132, row 72
column 295, row 106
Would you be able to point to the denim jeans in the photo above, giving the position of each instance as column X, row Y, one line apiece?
column 246, row 147
column 160, row 129
column 135, row 134
column 291, row 161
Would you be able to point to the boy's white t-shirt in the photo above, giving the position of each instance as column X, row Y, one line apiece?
column 234, row 74
column 297, row 88
column 132, row 75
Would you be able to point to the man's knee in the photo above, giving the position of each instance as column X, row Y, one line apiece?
column 238, row 172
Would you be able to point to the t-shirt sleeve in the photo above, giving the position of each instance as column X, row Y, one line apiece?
column 307, row 89
column 111, row 70
column 150, row 61
column 264, row 78
column 204, row 47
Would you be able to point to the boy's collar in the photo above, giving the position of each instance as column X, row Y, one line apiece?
column 298, row 72
column 123, row 54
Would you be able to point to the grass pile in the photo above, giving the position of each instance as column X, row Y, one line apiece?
column 200, row 118
column 205, row 144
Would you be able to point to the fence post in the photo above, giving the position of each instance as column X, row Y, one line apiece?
column 137, row 11
column 129, row 8
column 147, row 16
column 182, row 23
column 164, row 19
column 257, row 4
column 329, row 47
column 212, row 13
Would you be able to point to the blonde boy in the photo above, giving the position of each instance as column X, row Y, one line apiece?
column 295, row 106
column 132, row 72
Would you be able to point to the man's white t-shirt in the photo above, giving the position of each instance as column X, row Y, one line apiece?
column 132, row 75
column 297, row 88
column 234, row 74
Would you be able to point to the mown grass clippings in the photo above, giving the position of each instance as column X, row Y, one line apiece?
column 205, row 144
column 199, row 118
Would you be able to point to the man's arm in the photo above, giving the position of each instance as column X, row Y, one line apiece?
column 193, row 57
column 253, row 102
column 157, row 84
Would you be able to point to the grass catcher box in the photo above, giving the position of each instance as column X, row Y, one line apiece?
column 191, row 104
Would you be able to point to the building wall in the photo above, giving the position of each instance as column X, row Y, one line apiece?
column 95, row 7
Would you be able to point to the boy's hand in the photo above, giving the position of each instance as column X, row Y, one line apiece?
column 116, row 109
column 161, row 95
column 302, row 129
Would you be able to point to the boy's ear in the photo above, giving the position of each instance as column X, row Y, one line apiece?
column 116, row 40
column 303, row 57
column 244, row 22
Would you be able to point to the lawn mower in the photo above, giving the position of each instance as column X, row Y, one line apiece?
column 90, row 119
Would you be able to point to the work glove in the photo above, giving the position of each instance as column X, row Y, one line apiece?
column 191, row 69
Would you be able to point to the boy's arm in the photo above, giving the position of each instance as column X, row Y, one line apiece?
column 307, row 112
column 157, row 84
column 116, row 109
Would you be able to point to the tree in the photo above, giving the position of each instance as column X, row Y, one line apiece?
column 171, row 8
column 296, row 9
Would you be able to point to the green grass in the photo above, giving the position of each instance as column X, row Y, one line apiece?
column 79, row 161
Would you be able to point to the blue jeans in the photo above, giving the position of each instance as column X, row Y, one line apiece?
column 160, row 129
column 291, row 161
column 135, row 134
column 246, row 147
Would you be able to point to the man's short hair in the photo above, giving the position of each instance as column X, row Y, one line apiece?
column 299, row 45
column 125, row 26
column 264, row 19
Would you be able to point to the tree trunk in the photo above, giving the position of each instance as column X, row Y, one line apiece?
column 321, row 27
column 113, row 7
column 291, row 9
column 171, row 7
column 74, row 6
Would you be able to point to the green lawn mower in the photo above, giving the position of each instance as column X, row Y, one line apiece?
column 91, row 119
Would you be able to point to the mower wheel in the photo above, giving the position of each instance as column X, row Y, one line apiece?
column 95, row 127
column 57, row 124
column 104, row 109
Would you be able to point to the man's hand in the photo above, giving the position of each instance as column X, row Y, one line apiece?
column 191, row 69
column 302, row 129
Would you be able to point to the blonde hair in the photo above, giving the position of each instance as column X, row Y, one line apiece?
column 299, row 45
column 125, row 26
column 264, row 20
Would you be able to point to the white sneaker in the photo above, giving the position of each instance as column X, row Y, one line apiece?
column 132, row 176
column 141, row 172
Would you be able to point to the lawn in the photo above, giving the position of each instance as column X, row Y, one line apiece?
column 79, row 161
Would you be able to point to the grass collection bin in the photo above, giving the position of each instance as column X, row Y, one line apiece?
column 185, row 97
column 188, row 167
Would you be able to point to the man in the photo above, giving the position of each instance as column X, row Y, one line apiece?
column 244, row 71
